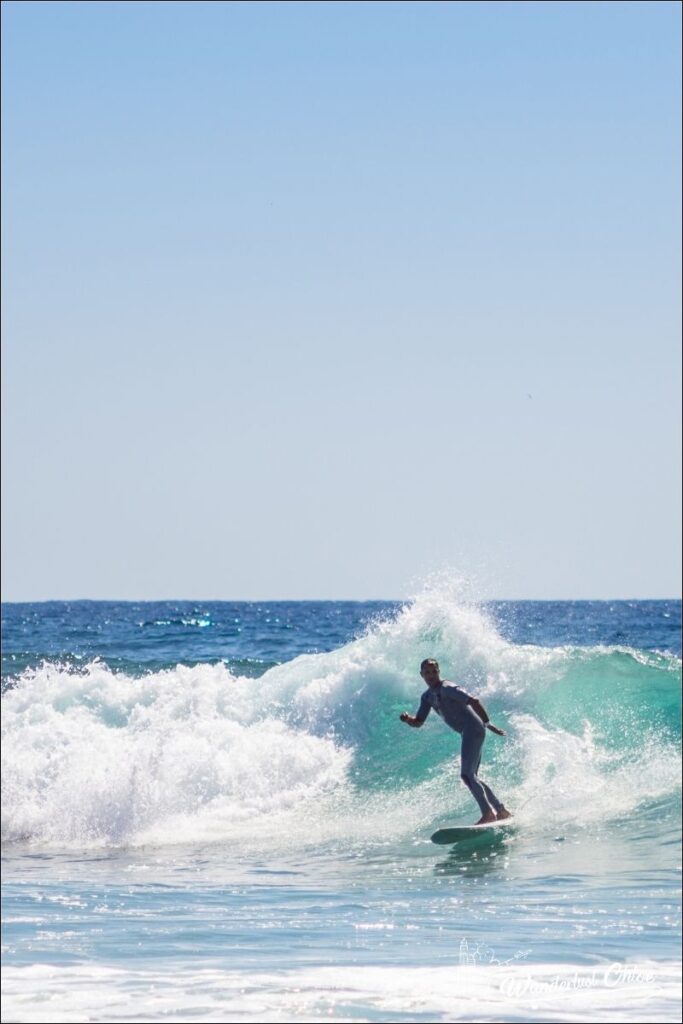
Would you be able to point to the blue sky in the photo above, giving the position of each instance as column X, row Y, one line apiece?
column 312, row 300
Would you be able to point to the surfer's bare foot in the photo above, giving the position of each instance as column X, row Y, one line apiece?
column 486, row 819
column 503, row 813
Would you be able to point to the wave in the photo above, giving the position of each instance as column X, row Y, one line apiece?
column 94, row 756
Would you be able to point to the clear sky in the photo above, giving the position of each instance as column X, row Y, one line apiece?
column 309, row 300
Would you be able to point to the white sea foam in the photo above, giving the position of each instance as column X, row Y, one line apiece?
column 625, row 991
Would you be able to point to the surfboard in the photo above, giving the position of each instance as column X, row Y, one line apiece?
column 446, row 836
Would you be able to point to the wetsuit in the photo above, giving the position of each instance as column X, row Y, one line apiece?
column 451, row 703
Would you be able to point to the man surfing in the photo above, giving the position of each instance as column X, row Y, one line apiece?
column 466, row 715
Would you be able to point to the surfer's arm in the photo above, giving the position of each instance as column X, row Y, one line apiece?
column 479, row 708
column 481, row 711
column 422, row 712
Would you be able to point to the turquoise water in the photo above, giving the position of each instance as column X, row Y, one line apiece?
column 212, row 812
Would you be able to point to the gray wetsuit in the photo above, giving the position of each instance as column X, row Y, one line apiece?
column 451, row 703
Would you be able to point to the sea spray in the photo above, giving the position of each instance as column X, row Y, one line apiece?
column 93, row 756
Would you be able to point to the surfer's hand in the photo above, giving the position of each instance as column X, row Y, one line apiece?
column 494, row 728
column 408, row 719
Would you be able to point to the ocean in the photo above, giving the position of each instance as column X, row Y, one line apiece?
column 211, row 812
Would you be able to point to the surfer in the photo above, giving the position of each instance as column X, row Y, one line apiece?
column 466, row 715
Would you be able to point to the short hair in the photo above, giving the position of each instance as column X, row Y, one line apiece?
column 429, row 661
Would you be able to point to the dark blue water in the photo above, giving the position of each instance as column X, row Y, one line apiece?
column 252, row 637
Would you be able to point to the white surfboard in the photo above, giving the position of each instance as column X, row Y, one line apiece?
column 446, row 836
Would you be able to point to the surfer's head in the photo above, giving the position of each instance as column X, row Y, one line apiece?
column 429, row 670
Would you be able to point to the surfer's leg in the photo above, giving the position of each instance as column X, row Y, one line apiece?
column 470, row 757
column 500, row 809
column 490, row 795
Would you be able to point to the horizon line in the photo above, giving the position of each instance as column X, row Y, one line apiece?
column 317, row 600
